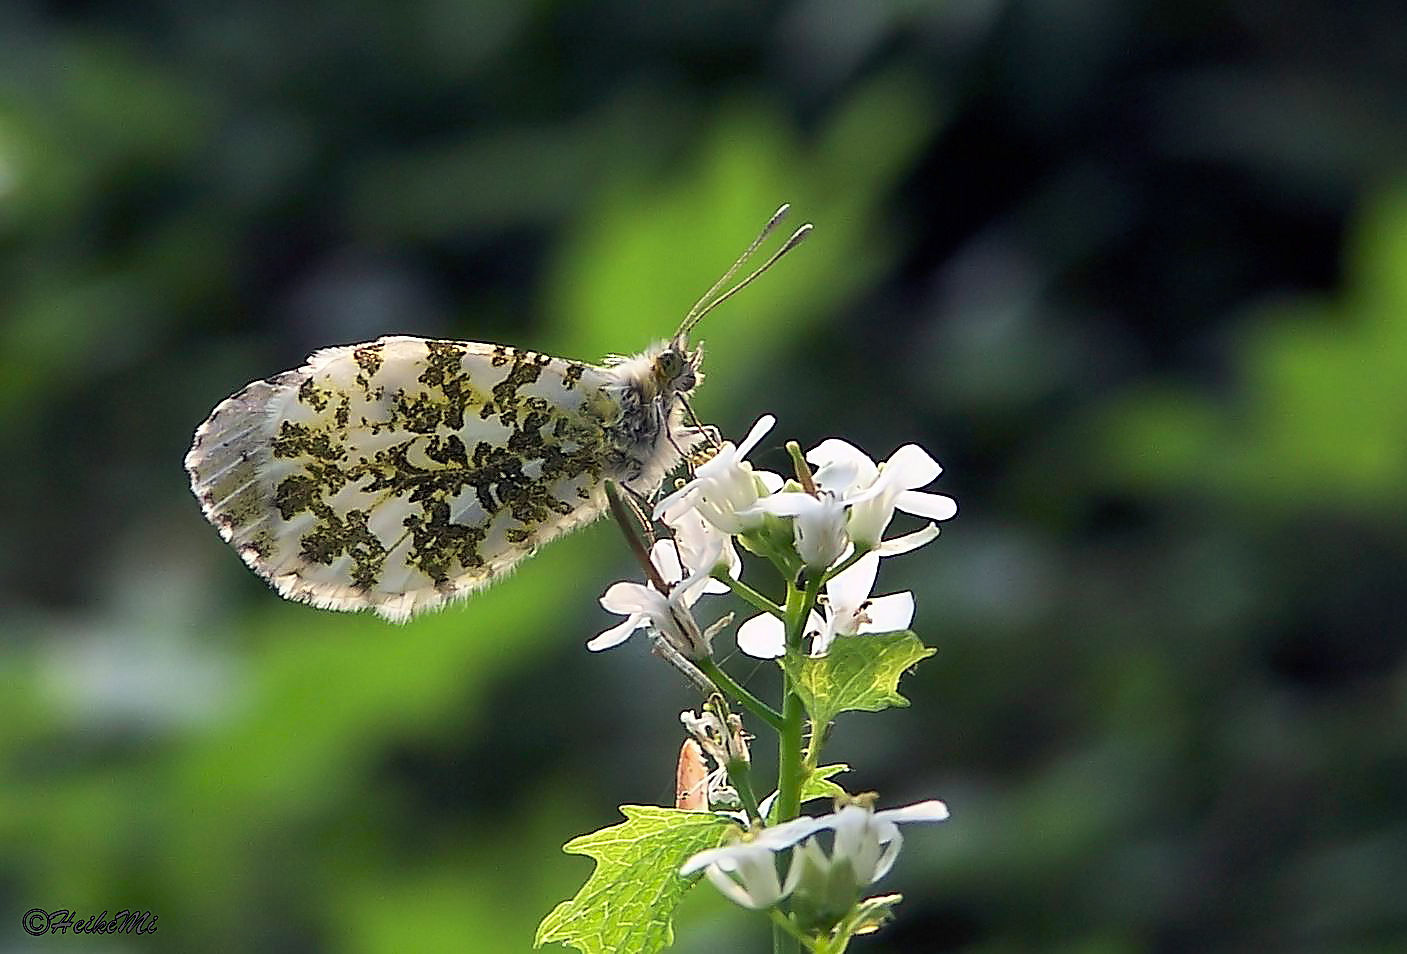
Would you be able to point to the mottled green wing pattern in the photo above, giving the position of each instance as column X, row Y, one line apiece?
column 401, row 473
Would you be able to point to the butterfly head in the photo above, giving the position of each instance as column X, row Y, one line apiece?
column 675, row 369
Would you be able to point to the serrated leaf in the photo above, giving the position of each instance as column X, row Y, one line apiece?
column 857, row 673
column 819, row 785
column 627, row 905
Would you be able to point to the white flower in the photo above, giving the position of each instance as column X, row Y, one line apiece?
column 698, row 547
column 848, row 611
column 818, row 524
column 725, row 484
column 746, row 872
column 867, row 841
column 684, row 564
column 670, row 616
column 872, row 493
column 646, row 608
column 824, row 887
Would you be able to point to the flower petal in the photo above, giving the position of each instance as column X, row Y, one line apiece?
column 703, row 859
column 764, row 637
column 891, row 842
column 616, row 634
column 770, row 482
column 783, row 836
column 626, row 597
column 839, row 477
column 857, row 841
column 819, row 532
column 787, row 504
column 665, row 556
column 731, row 889
column 851, row 587
column 807, row 854
column 889, row 614
column 757, row 870
column 759, row 431
column 824, row 631
column 835, row 452
column 911, row 467
column 929, row 811
column 733, row 561
column 745, row 872
column 673, row 505
column 932, row 506
column 907, row 542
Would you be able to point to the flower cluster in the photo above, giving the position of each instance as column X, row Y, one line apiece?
column 829, row 522
column 864, row 846
column 823, row 530
column 684, row 564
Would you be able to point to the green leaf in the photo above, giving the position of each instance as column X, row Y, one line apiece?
column 629, row 900
column 857, row 673
column 818, row 784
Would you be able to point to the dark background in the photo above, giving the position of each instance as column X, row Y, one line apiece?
column 1136, row 273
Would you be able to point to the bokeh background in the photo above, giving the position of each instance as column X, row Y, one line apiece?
column 1135, row 272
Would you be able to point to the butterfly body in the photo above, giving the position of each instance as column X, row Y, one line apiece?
column 399, row 474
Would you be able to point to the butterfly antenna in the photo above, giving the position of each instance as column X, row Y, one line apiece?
column 748, row 252
column 696, row 313
column 703, row 306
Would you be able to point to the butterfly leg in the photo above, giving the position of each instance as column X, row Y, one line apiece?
column 707, row 431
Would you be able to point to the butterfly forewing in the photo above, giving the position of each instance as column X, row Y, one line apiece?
column 397, row 474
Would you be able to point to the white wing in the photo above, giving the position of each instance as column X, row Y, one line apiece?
column 398, row 474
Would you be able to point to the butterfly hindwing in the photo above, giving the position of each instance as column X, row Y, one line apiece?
column 400, row 473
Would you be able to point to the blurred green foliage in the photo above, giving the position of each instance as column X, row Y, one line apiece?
column 1133, row 272
column 1319, row 420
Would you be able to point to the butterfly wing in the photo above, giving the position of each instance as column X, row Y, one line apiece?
column 398, row 474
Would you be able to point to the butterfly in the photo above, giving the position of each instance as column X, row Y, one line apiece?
column 402, row 473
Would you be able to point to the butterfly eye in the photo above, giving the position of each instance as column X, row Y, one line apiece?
column 674, row 370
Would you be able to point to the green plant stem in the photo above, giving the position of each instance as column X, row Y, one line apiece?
column 800, row 603
column 789, row 745
column 789, row 761
column 748, row 595
column 788, row 803
column 748, row 701
column 740, row 774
